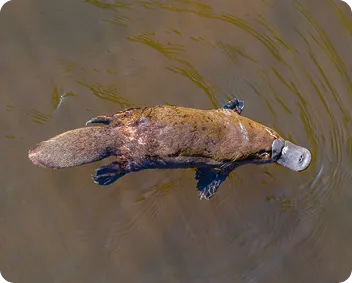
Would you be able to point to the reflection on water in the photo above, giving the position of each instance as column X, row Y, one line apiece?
column 109, row 93
column 118, row 6
column 183, row 68
column 62, row 63
column 58, row 99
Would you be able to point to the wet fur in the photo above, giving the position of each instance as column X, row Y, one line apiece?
column 160, row 137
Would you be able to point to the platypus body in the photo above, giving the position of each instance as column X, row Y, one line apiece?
column 213, row 141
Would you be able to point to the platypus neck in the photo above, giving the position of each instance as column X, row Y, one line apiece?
column 244, row 138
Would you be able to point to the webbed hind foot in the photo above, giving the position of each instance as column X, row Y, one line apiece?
column 236, row 105
column 107, row 174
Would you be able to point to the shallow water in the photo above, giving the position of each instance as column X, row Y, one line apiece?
column 64, row 62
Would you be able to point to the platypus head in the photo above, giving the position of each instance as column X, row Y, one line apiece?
column 292, row 156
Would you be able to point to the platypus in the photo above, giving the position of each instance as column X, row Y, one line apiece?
column 214, row 142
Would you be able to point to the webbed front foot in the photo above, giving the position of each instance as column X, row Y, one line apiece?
column 107, row 174
column 236, row 105
column 209, row 190
column 209, row 181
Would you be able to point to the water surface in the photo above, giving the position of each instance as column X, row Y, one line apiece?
column 64, row 62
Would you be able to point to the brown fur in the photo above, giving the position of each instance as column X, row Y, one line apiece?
column 161, row 133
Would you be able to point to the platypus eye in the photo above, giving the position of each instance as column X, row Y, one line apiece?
column 264, row 155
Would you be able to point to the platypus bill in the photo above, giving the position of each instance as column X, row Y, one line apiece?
column 214, row 142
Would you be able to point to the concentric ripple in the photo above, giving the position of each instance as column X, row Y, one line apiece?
column 290, row 61
column 290, row 68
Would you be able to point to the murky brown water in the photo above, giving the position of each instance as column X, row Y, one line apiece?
column 289, row 60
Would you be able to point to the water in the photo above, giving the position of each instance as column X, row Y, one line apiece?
column 64, row 62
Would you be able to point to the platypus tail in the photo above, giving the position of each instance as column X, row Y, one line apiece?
column 73, row 148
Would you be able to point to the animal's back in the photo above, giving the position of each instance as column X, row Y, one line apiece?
column 160, row 132
column 222, row 135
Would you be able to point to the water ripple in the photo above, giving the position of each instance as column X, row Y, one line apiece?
column 298, row 77
column 107, row 92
